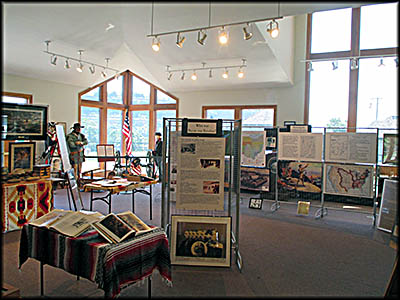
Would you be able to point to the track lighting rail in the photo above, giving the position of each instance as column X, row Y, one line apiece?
column 213, row 26
column 348, row 57
column 207, row 68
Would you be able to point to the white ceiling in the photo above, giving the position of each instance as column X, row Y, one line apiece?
column 74, row 26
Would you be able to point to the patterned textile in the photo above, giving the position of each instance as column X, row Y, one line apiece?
column 24, row 202
column 111, row 266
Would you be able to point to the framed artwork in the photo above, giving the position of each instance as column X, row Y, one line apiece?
column 256, row 179
column 22, row 156
column 74, row 190
column 202, row 127
column 25, row 121
column 255, row 203
column 300, row 176
column 201, row 241
column 390, row 146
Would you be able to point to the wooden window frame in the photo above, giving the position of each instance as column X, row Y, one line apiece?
column 238, row 109
column 28, row 97
column 103, row 105
column 354, row 74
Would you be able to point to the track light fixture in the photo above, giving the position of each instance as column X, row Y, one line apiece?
column 180, row 40
column 273, row 29
column 53, row 60
column 67, row 64
column 210, row 69
column 396, row 61
column 80, row 62
column 354, row 64
column 156, row 44
column 335, row 65
column 309, row 67
column 201, row 37
column 381, row 64
column 92, row 69
column 223, row 36
column 246, row 33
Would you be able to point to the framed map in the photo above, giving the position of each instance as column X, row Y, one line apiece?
column 253, row 148
column 349, row 180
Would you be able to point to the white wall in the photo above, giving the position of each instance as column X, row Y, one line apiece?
column 289, row 100
column 61, row 98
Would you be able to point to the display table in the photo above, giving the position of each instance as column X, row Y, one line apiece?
column 25, row 201
column 135, row 187
column 111, row 266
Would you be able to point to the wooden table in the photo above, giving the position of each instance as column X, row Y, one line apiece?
column 135, row 187
column 111, row 266
column 25, row 201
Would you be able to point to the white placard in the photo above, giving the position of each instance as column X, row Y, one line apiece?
column 200, row 173
column 300, row 146
column 62, row 144
column 350, row 147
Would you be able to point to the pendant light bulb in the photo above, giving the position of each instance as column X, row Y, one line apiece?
column 53, row 60
column 183, row 76
column 103, row 73
column 240, row 73
column 169, row 76
column 79, row 68
column 247, row 34
column 201, row 37
column 194, row 76
column 210, row 74
column 92, row 69
column 180, row 40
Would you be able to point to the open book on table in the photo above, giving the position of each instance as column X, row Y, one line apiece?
column 67, row 222
column 115, row 228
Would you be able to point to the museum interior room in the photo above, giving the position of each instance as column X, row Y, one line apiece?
column 199, row 149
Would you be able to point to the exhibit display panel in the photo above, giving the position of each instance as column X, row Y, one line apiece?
column 202, row 187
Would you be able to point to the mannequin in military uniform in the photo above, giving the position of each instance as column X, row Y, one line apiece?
column 75, row 141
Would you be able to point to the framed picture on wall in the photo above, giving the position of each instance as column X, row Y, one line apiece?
column 22, row 156
column 201, row 241
column 25, row 121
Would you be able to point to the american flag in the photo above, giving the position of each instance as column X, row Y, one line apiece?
column 135, row 166
column 126, row 131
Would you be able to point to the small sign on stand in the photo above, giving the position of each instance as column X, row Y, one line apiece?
column 255, row 203
column 303, row 207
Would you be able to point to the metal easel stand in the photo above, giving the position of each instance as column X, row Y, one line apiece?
column 275, row 206
column 322, row 211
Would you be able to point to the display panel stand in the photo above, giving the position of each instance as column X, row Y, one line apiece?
column 172, row 129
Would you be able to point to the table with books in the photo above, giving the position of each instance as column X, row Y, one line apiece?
column 68, row 240
column 116, row 186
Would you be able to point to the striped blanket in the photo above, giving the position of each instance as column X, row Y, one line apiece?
column 111, row 266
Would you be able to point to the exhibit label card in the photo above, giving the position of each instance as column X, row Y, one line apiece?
column 300, row 146
column 200, row 173
column 350, row 147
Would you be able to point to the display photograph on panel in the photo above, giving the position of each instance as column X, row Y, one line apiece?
column 349, row 180
column 255, row 203
column 390, row 146
column 300, row 176
column 201, row 241
column 22, row 156
column 256, row 179
column 25, row 122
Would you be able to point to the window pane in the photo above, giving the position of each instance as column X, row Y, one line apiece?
column 16, row 100
column 263, row 117
column 140, row 132
column 140, row 91
column 220, row 114
column 329, row 94
column 331, row 31
column 93, row 95
column 379, row 25
column 114, row 128
column 114, row 90
column 90, row 118
column 160, row 114
column 377, row 93
column 163, row 98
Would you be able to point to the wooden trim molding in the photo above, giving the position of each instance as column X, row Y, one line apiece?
column 28, row 97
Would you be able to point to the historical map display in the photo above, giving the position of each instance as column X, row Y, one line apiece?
column 300, row 146
column 348, row 180
column 253, row 148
